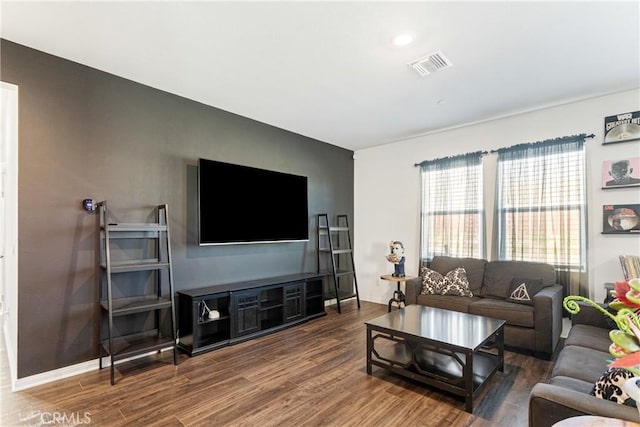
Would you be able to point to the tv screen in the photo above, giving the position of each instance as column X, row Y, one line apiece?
column 242, row 204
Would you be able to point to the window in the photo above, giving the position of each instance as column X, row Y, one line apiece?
column 541, row 203
column 452, row 207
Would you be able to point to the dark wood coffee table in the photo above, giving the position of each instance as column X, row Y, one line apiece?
column 455, row 352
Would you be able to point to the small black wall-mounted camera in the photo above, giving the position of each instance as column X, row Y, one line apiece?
column 88, row 205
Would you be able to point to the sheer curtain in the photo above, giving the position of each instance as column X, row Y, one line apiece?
column 541, row 207
column 452, row 215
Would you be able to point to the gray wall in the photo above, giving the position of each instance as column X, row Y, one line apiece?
column 84, row 133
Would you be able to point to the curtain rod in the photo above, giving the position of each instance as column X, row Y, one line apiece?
column 481, row 153
column 457, row 156
column 546, row 141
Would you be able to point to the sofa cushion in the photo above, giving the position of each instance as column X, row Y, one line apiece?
column 514, row 314
column 447, row 302
column 499, row 274
column 572, row 384
column 522, row 290
column 474, row 268
column 582, row 363
column 453, row 283
column 609, row 386
column 589, row 336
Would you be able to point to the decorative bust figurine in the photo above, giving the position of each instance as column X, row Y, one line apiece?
column 397, row 258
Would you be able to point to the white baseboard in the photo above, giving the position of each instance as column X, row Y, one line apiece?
column 334, row 301
column 56, row 374
column 70, row 371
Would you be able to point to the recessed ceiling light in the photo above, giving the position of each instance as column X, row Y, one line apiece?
column 402, row 39
column 441, row 101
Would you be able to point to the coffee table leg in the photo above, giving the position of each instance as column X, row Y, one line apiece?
column 468, row 382
column 501, row 348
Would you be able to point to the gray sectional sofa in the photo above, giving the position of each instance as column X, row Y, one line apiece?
column 580, row 363
column 534, row 327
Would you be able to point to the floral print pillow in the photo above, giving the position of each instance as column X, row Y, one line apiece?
column 609, row 386
column 454, row 282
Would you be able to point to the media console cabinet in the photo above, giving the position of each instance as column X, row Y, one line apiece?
column 246, row 310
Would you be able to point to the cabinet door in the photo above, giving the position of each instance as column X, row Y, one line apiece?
column 313, row 295
column 246, row 315
column 271, row 307
column 293, row 302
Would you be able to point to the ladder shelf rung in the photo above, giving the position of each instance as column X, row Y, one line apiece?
column 136, row 265
column 125, row 347
column 132, row 226
column 344, row 273
column 130, row 305
column 335, row 251
column 324, row 229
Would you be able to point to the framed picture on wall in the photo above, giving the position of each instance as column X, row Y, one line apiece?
column 621, row 219
column 621, row 173
column 622, row 127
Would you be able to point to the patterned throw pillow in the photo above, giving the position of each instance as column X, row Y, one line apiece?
column 523, row 290
column 454, row 282
column 609, row 386
column 457, row 283
column 432, row 281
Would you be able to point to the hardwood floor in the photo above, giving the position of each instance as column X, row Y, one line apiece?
column 309, row 375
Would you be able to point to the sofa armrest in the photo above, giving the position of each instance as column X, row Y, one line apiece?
column 548, row 318
column 589, row 315
column 550, row 403
column 413, row 287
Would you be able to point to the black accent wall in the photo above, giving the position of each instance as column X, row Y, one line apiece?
column 83, row 134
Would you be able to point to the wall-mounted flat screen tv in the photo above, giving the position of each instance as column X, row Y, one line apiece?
column 242, row 204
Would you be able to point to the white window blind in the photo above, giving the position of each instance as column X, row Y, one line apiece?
column 541, row 204
column 452, row 207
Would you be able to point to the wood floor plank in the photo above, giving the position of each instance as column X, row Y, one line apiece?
column 312, row 374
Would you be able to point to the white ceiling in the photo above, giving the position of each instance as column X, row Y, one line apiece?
column 329, row 70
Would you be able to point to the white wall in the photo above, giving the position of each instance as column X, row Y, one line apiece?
column 9, row 223
column 387, row 186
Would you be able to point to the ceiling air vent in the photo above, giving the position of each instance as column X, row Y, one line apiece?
column 428, row 64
